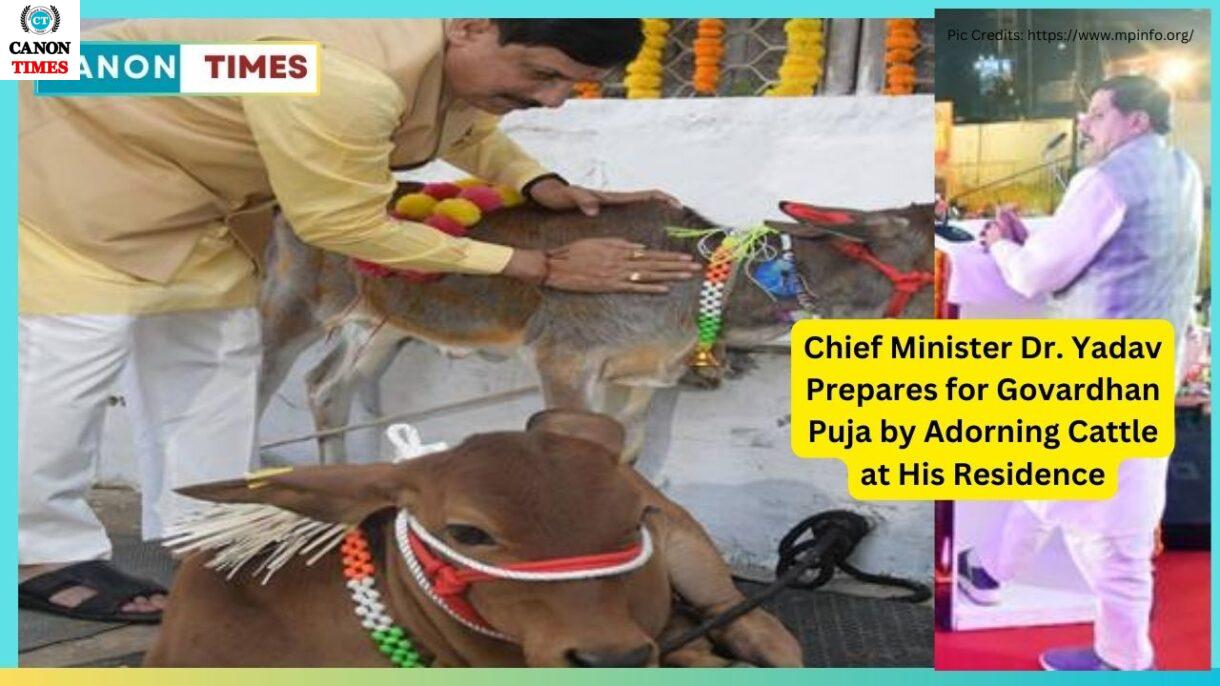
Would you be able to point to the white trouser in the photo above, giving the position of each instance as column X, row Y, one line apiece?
column 1117, row 568
column 191, row 385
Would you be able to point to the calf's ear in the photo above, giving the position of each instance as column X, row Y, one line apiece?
column 340, row 493
column 587, row 426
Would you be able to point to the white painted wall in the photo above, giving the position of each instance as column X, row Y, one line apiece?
column 722, row 454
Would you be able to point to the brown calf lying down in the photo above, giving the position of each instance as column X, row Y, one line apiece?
column 556, row 490
column 606, row 353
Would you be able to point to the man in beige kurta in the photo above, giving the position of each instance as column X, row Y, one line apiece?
column 141, row 220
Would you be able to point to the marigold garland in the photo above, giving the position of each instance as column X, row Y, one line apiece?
column 643, row 78
column 588, row 90
column 709, row 48
column 801, row 69
column 901, row 41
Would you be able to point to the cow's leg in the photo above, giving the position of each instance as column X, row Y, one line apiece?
column 568, row 378
column 629, row 405
column 702, row 578
column 360, row 355
column 699, row 652
column 288, row 329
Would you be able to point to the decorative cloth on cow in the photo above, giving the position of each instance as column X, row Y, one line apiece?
column 190, row 379
column 1124, row 244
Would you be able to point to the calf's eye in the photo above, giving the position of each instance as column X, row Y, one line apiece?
column 465, row 534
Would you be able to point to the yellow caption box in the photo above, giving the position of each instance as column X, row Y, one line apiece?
column 982, row 409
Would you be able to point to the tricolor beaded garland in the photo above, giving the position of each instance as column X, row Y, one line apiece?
column 391, row 640
column 711, row 302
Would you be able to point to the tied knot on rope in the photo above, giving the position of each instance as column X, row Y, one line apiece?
column 447, row 581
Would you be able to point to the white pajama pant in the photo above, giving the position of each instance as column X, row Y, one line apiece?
column 1117, row 568
column 190, row 379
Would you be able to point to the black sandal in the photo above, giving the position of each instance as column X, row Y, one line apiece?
column 112, row 590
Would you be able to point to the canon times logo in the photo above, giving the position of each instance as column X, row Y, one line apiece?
column 40, row 21
column 42, row 40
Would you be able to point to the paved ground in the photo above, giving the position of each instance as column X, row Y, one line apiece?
column 119, row 510
column 846, row 626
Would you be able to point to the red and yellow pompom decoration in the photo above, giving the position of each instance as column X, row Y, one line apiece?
column 901, row 41
column 643, row 78
column 450, row 207
column 801, row 70
column 709, row 49
column 587, row 90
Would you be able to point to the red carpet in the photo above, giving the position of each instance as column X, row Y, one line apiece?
column 1180, row 631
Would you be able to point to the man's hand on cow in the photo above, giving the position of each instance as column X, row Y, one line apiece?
column 603, row 265
column 607, row 265
column 554, row 194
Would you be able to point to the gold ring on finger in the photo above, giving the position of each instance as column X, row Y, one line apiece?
column 634, row 277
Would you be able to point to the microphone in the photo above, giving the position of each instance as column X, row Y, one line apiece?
column 1055, row 142
column 1010, row 177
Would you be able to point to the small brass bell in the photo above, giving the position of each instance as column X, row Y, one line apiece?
column 704, row 358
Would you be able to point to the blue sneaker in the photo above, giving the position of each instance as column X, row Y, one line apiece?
column 974, row 581
column 1077, row 659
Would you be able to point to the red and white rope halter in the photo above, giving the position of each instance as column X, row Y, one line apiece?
column 444, row 574
column 905, row 284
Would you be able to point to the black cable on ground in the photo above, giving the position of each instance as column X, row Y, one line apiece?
column 808, row 556
column 849, row 529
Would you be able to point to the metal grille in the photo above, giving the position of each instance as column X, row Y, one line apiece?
column 753, row 50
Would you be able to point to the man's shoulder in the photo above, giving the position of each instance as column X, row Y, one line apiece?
column 1186, row 163
column 1132, row 162
column 1091, row 179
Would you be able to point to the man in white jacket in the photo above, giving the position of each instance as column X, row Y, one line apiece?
column 1123, row 244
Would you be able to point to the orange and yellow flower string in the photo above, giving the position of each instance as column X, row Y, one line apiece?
column 588, row 90
column 801, row 70
column 644, row 73
column 709, row 49
column 901, row 41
